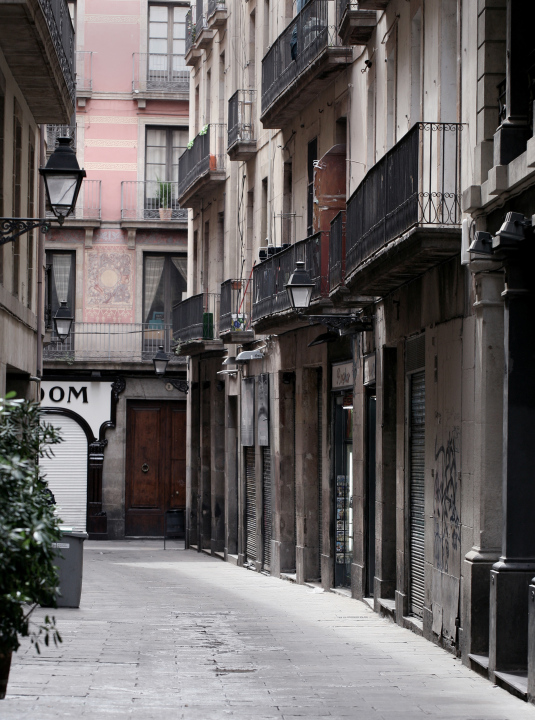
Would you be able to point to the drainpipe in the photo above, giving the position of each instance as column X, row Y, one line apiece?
column 40, row 257
column 270, row 194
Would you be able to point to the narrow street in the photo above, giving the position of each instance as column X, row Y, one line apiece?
column 176, row 634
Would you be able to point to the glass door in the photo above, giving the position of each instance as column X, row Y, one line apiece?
column 343, row 496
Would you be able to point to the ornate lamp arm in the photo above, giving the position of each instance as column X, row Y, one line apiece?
column 12, row 228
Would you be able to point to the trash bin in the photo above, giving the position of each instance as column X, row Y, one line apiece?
column 70, row 563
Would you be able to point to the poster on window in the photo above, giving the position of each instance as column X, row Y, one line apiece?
column 247, row 411
column 263, row 410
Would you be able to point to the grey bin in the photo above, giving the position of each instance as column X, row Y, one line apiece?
column 70, row 563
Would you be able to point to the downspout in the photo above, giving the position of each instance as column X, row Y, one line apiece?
column 40, row 257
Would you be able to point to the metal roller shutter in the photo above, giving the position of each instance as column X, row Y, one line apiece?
column 417, row 486
column 66, row 472
column 250, row 502
column 266, row 470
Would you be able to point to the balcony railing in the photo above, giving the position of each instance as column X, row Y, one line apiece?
column 159, row 73
column 271, row 276
column 241, row 116
column 107, row 342
column 84, row 71
column 150, row 200
column 61, row 30
column 190, row 28
column 214, row 6
column 88, row 204
column 235, row 306
column 206, row 154
column 337, row 250
column 417, row 182
column 196, row 318
column 53, row 132
column 296, row 48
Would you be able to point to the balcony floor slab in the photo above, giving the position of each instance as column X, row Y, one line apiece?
column 305, row 88
column 356, row 26
column 404, row 259
column 202, row 186
column 200, row 347
column 242, row 150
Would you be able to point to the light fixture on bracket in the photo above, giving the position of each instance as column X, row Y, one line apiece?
column 160, row 361
column 63, row 178
column 247, row 355
column 300, row 287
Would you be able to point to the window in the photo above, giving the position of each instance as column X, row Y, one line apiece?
column 164, row 145
column 164, row 281
column 312, row 156
column 167, row 45
column 59, row 286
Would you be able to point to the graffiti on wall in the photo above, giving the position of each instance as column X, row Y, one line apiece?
column 446, row 502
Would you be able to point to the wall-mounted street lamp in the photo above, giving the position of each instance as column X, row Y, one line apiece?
column 299, row 288
column 63, row 320
column 512, row 232
column 63, row 178
column 160, row 361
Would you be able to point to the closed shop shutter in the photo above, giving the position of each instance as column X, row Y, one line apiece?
column 417, row 485
column 66, row 472
column 250, row 502
column 266, row 470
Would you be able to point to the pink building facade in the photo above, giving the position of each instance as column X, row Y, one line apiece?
column 120, row 265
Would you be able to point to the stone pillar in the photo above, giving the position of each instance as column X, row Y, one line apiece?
column 205, row 490
column 192, row 455
column 531, row 642
column 487, row 458
column 231, row 475
column 283, row 474
column 217, row 460
column 511, row 575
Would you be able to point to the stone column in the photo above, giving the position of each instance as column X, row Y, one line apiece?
column 487, row 458
column 231, row 473
column 217, row 459
column 192, row 455
column 511, row 575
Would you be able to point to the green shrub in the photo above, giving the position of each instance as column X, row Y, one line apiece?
column 28, row 526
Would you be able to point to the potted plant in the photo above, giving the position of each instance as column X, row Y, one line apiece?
column 29, row 529
column 164, row 195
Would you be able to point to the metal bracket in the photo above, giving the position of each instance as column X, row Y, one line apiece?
column 352, row 323
column 11, row 228
column 181, row 385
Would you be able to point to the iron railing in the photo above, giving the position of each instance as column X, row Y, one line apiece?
column 271, row 276
column 417, row 182
column 107, row 342
column 337, row 250
column 150, row 200
column 308, row 35
column 84, row 71
column 190, row 28
column 160, row 72
column 196, row 318
column 241, row 116
column 53, row 132
column 235, row 307
column 61, row 31
column 206, row 154
column 214, row 6
column 88, row 204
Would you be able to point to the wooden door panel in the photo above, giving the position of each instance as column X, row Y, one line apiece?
column 177, row 452
column 146, row 486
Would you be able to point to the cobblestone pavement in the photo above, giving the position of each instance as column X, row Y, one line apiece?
column 175, row 634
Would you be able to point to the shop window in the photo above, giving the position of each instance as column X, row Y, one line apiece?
column 164, row 281
column 60, row 282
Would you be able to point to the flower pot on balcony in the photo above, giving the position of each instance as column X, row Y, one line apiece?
column 5, row 664
column 166, row 213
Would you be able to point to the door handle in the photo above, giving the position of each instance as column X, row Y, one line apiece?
column 145, row 468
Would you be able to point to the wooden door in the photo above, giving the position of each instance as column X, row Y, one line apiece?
column 155, row 464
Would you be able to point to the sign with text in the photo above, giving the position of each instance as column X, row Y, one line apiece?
column 91, row 400
column 342, row 375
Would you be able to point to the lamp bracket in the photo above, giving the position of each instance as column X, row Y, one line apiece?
column 12, row 228
column 180, row 385
column 355, row 323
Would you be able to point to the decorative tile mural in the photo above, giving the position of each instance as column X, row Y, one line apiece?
column 109, row 284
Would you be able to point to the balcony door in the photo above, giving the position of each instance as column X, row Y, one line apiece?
column 163, row 147
column 167, row 46
column 164, row 281
column 59, row 287
column 155, row 464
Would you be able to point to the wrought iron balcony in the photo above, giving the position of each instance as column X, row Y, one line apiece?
column 88, row 204
column 405, row 215
column 201, row 167
column 195, row 323
column 241, row 120
column 84, row 73
column 270, row 299
column 337, row 252
column 158, row 75
column 301, row 62
column 235, row 311
column 150, row 200
column 357, row 20
column 217, row 13
column 111, row 343
column 37, row 41
column 190, row 28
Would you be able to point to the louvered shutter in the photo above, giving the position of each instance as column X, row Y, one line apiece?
column 417, row 487
column 266, row 471
column 250, row 502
